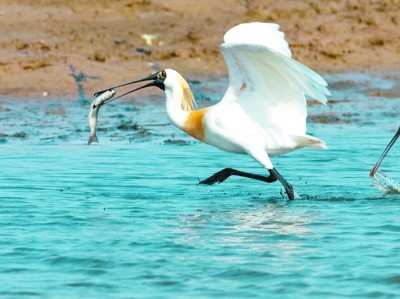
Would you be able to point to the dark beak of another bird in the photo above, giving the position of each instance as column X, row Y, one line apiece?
column 157, row 80
column 388, row 147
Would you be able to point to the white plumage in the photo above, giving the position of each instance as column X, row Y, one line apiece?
column 264, row 106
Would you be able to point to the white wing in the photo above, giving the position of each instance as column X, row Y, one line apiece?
column 265, row 81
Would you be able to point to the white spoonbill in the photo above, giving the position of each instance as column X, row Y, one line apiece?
column 263, row 112
column 388, row 147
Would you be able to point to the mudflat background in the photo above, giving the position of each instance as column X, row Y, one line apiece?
column 47, row 46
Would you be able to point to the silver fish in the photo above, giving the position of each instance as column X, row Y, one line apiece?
column 99, row 100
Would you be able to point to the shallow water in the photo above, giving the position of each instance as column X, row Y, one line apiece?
column 127, row 219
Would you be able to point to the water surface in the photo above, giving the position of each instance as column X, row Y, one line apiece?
column 127, row 219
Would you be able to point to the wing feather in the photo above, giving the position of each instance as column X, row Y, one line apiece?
column 265, row 81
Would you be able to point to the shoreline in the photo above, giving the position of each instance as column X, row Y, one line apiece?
column 376, row 84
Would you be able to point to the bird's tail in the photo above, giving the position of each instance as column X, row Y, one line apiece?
column 309, row 141
column 93, row 138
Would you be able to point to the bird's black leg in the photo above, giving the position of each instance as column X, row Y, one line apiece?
column 225, row 173
column 288, row 188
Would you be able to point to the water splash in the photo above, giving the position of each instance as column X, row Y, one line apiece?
column 386, row 184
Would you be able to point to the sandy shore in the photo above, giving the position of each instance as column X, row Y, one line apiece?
column 47, row 46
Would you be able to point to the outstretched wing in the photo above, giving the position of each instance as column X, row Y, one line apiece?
column 265, row 81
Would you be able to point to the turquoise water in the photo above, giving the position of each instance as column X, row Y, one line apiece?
column 127, row 219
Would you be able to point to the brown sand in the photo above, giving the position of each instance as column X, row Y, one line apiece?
column 41, row 39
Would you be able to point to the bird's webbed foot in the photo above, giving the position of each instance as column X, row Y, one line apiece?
column 218, row 177
column 225, row 173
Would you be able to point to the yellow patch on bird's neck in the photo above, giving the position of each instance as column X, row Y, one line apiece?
column 188, row 102
column 194, row 124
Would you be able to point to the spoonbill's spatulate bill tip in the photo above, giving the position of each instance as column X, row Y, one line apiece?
column 263, row 112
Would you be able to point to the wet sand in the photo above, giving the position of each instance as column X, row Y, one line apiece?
column 49, row 47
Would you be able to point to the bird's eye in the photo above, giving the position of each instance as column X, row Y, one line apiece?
column 162, row 74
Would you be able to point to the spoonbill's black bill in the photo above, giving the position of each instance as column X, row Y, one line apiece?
column 387, row 149
column 263, row 112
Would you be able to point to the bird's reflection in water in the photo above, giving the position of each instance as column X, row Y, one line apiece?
column 265, row 229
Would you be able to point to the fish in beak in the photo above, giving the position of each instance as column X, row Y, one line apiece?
column 100, row 98
column 107, row 95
